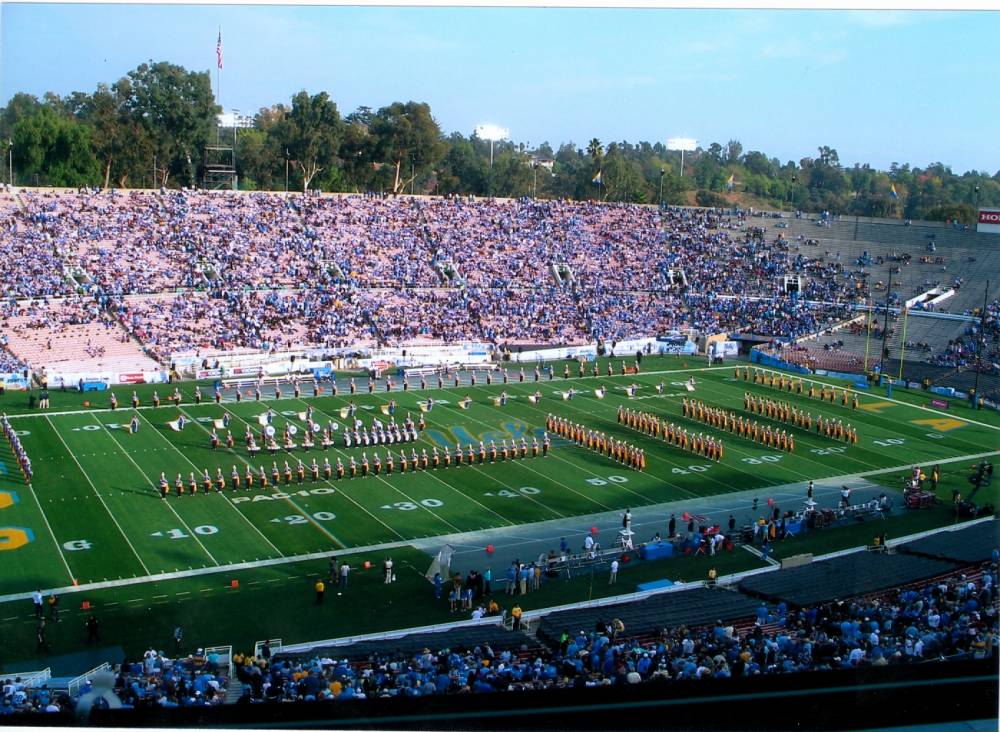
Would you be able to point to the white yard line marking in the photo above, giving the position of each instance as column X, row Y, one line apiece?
column 397, row 490
column 523, row 464
column 291, row 501
column 59, row 549
column 228, row 501
column 191, row 533
column 99, row 497
column 446, row 484
column 884, row 398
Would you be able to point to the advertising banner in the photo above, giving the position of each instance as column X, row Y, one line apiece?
column 989, row 221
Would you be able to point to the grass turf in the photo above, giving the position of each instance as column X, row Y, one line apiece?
column 93, row 512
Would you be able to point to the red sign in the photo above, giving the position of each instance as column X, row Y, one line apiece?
column 940, row 404
column 989, row 217
column 131, row 378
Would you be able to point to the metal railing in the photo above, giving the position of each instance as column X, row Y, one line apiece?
column 227, row 653
column 275, row 644
column 74, row 685
column 35, row 678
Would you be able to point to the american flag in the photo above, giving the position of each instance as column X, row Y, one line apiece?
column 218, row 49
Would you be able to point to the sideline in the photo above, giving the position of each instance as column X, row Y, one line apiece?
column 427, row 542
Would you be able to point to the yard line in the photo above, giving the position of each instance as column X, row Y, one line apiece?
column 59, row 549
column 522, row 464
column 525, row 495
column 881, row 422
column 229, row 502
column 822, row 409
column 330, row 483
column 733, row 445
column 445, row 483
column 193, row 534
column 652, row 455
column 660, row 443
column 291, row 501
column 885, row 398
column 583, row 469
column 408, row 498
column 99, row 497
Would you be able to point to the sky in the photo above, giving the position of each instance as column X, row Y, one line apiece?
column 879, row 87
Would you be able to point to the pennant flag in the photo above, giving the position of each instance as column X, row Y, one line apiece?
column 175, row 425
column 384, row 408
column 892, row 190
column 596, row 180
column 302, row 416
column 343, row 412
column 219, row 424
column 729, row 181
column 262, row 419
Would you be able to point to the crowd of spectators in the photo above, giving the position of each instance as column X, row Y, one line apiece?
column 184, row 270
column 199, row 679
column 949, row 618
column 954, row 618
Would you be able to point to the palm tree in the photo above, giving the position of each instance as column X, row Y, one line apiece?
column 596, row 150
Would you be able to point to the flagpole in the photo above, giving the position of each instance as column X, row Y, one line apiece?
column 218, row 83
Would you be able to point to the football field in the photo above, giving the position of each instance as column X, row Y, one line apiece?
column 94, row 513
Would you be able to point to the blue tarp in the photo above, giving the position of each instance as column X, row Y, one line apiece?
column 659, row 550
column 655, row 585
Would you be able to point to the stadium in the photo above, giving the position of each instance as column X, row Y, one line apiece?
column 390, row 451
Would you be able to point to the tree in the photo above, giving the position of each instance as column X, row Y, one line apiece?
column 54, row 150
column 177, row 109
column 733, row 151
column 828, row 156
column 596, row 152
column 757, row 163
column 311, row 132
column 407, row 132
column 260, row 161
column 120, row 142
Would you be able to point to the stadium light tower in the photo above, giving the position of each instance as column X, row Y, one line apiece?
column 493, row 133
column 684, row 144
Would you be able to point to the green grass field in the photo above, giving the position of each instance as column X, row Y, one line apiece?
column 94, row 511
column 94, row 514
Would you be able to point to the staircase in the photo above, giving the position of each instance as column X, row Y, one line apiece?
column 234, row 691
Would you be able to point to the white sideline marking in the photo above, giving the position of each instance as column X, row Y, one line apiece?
column 98, row 494
column 322, row 396
column 416, row 542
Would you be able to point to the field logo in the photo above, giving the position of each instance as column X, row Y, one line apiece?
column 14, row 537
column 7, row 499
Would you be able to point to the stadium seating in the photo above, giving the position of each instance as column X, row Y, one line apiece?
column 856, row 574
column 695, row 607
column 195, row 272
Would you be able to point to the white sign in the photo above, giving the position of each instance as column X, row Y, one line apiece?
column 687, row 144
